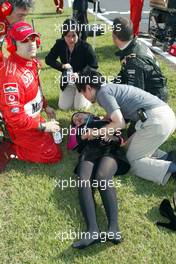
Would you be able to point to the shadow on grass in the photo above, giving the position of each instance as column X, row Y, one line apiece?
column 147, row 188
column 70, row 197
column 70, row 254
column 43, row 14
column 43, row 17
column 54, row 16
column 154, row 216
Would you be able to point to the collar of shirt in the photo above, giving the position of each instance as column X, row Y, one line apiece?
column 125, row 51
column 22, row 62
column 97, row 91
column 126, row 45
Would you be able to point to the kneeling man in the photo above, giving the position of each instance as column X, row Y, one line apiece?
column 155, row 122
column 21, row 99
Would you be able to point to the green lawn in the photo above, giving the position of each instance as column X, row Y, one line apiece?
column 33, row 210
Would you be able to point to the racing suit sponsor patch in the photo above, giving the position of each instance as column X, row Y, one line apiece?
column 27, row 78
column 34, row 107
column 15, row 110
column 10, row 88
column 12, row 98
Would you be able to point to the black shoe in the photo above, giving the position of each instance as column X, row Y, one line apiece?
column 103, row 10
column 87, row 240
column 172, row 156
column 116, row 239
column 173, row 176
column 99, row 10
column 81, row 245
column 167, row 211
column 174, row 201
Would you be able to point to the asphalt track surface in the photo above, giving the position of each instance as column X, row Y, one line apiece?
column 116, row 8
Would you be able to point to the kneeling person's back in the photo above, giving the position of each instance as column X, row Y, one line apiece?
column 126, row 98
column 139, row 65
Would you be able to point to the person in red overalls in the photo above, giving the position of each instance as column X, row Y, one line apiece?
column 21, row 99
column 11, row 11
column 59, row 6
column 135, row 14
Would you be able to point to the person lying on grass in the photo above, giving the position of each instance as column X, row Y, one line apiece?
column 99, row 161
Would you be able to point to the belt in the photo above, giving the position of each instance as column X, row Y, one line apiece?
column 141, row 113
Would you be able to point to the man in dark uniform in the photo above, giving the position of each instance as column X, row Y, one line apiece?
column 139, row 65
column 80, row 15
column 99, row 9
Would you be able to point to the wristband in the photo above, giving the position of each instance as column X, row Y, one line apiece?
column 42, row 127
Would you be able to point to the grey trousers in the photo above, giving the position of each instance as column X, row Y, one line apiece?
column 70, row 98
column 142, row 147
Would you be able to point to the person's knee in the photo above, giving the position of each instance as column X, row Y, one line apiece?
column 83, row 174
column 131, row 161
column 80, row 102
column 129, row 157
column 63, row 106
column 101, row 176
column 79, row 106
column 103, row 181
column 84, row 181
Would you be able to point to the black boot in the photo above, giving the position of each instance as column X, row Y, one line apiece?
column 172, row 156
column 167, row 211
column 99, row 10
column 174, row 200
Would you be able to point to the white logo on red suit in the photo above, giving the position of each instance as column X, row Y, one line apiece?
column 34, row 107
column 11, row 93
column 12, row 99
column 27, row 78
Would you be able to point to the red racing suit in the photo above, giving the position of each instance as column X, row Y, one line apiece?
column 135, row 14
column 21, row 103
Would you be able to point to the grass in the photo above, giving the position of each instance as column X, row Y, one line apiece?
column 34, row 210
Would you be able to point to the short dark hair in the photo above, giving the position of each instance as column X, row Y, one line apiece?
column 123, row 28
column 70, row 25
column 20, row 3
column 91, row 77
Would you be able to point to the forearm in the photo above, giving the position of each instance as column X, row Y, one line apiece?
column 110, row 129
column 53, row 63
column 22, row 123
column 45, row 102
